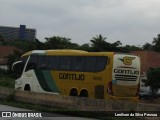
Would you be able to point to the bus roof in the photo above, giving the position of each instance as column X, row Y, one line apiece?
column 66, row 52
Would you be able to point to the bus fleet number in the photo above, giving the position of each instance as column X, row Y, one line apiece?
column 98, row 78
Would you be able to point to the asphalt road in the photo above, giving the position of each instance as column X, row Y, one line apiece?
column 28, row 114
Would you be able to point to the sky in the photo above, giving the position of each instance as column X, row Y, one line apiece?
column 133, row 22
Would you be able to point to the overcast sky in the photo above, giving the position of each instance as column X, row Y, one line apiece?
column 133, row 22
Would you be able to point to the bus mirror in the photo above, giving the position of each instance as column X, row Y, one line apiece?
column 15, row 64
column 17, row 67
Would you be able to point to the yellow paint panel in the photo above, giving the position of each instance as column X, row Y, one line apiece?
column 79, row 80
column 125, row 91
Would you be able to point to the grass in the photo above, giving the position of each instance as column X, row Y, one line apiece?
column 7, row 80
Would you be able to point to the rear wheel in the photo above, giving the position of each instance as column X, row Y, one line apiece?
column 84, row 93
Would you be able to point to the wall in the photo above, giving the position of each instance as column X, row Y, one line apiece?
column 75, row 103
column 144, row 59
column 148, row 59
column 154, row 59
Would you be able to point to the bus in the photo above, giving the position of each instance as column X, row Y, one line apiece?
column 100, row 75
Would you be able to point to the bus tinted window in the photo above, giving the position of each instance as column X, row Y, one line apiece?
column 68, row 63
column 53, row 62
column 101, row 63
column 90, row 64
column 32, row 63
column 24, row 59
column 48, row 62
column 65, row 63
column 42, row 62
column 78, row 63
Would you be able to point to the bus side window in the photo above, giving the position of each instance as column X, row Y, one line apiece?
column 43, row 62
column 101, row 63
column 90, row 65
column 53, row 62
column 65, row 63
column 78, row 63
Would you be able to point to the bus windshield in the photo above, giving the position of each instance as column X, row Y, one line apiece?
column 18, row 66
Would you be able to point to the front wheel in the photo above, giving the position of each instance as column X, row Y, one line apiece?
column 74, row 92
column 27, row 87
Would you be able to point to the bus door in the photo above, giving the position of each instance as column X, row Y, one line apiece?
column 28, row 75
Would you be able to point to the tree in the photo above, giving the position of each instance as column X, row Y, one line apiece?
column 99, row 44
column 85, row 47
column 57, row 42
column 39, row 45
column 115, row 46
column 155, row 46
column 153, row 79
column 13, row 58
column 132, row 48
column 24, row 45
column 147, row 46
column 2, row 42
column 156, row 43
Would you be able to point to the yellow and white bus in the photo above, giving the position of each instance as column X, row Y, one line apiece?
column 100, row 75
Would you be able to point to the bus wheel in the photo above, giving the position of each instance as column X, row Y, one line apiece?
column 84, row 93
column 74, row 92
column 27, row 87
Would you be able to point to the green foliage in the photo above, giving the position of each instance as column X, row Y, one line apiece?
column 85, row 47
column 132, row 48
column 39, row 45
column 147, row 46
column 11, row 97
column 26, row 45
column 156, row 43
column 57, row 42
column 13, row 58
column 98, row 44
column 155, row 46
column 2, row 42
column 153, row 78
column 6, row 79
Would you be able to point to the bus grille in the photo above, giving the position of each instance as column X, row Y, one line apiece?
column 126, row 77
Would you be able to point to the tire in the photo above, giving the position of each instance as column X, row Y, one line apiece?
column 73, row 92
column 84, row 93
column 27, row 87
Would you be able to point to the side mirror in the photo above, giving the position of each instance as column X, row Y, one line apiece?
column 17, row 67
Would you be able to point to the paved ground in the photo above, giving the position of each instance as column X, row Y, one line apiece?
column 13, row 110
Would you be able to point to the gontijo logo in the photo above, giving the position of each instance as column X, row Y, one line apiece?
column 127, row 60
